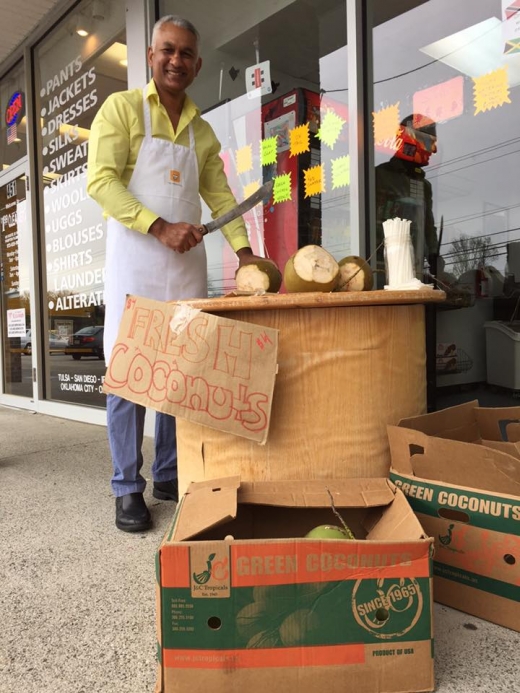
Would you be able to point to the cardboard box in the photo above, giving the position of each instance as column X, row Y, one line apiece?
column 460, row 469
column 246, row 603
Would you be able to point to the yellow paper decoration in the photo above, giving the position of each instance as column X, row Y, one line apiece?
column 244, row 159
column 341, row 172
column 300, row 141
column 282, row 188
column 251, row 188
column 268, row 151
column 314, row 180
column 330, row 129
column 386, row 123
column 491, row 90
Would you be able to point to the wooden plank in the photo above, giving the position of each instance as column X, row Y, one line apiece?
column 316, row 299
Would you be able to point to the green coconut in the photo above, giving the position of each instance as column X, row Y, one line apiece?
column 355, row 274
column 311, row 268
column 259, row 277
column 330, row 532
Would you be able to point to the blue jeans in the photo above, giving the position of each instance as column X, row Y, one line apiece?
column 125, row 423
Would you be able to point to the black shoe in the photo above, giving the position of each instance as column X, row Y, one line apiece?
column 166, row 490
column 132, row 515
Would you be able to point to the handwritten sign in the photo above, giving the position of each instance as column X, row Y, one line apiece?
column 282, row 190
column 314, row 180
column 194, row 365
column 491, row 90
column 340, row 172
column 268, row 151
column 330, row 129
column 300, row 138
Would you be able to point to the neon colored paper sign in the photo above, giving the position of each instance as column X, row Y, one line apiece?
column 251, row 188
column 386, row 126
column 331, row 126
column 441, row 102
column 491, row 90
column 282, row 188
column 268, row 151
column 314, row 180
column 341, row 172
column 244, row 159
column 300, row 139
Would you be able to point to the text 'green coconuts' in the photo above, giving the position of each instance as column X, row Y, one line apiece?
column 311, row 268
column 329, row 532
column 355, row 274
column 259, row 277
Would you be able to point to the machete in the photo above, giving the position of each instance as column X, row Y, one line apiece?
column 263, row 192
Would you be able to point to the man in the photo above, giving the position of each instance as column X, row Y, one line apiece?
column 403, row 191
column 151, row 157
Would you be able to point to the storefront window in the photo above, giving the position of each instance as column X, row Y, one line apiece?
column 273, row 85
column 13, row 139
column 446, row 99
column 76, row 68
column 15, row 267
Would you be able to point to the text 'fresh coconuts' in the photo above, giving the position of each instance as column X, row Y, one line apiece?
column 355, row 274
column 330, row 532
column 311, row 268
column 259, row 277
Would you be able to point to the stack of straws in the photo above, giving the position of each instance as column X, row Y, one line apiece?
column 399, row 255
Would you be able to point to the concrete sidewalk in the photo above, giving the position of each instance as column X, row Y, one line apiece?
column 77, row 609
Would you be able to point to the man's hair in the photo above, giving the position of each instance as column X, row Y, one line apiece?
column 178, row 21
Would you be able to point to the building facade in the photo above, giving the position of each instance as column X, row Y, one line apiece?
column 359, row 111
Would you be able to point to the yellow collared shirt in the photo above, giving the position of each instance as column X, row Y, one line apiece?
column 115, row 139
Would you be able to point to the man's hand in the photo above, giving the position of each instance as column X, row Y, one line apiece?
column 180, row 237
column 246, row 257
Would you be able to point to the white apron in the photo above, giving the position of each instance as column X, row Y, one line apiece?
column 138, row 263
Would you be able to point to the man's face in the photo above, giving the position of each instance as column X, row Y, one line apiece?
column 174, row 59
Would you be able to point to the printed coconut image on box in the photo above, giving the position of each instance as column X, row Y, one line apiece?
column 246, row 598
column 460, row 469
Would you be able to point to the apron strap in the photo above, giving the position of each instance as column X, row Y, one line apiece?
column 147, row 116
column 148, row 122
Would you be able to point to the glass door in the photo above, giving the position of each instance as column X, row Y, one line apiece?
column 15, row 284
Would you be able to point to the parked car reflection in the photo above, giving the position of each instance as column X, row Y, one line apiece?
column 57, row 344
column 86, row 342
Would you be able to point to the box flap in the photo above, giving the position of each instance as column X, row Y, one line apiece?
column 398, row 522
column 447, row 422
column 499, row 423
column 466, row 464
column 509, row 448
column 206, row 504
column 404, row 442
column 352, row 493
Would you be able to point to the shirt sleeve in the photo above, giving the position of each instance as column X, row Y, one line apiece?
column 216, row 193
column 108, row 157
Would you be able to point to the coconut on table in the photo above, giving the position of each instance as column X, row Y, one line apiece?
column 349, row 363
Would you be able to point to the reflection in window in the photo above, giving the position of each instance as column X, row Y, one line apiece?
column 456, row 71
column 277, row 103
column 77, row 67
